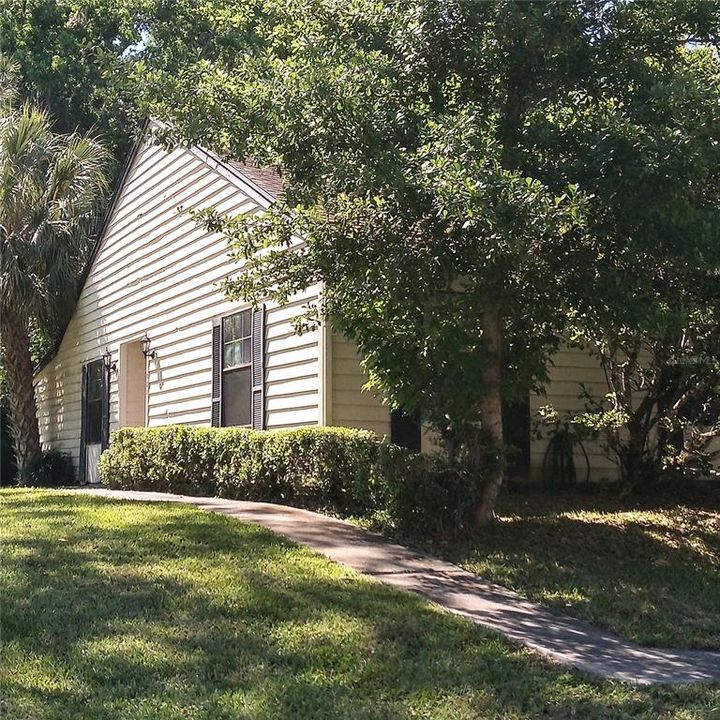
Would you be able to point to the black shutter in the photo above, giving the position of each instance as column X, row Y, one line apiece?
column 105, row 407
column 83, row 424
column 258, row 368
column 216, row 400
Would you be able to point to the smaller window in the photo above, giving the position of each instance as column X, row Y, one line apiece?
column 236, row 340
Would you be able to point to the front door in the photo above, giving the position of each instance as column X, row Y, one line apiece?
column 95, row 419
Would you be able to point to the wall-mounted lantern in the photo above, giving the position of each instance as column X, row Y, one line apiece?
column 146, row 350
column 107, row 360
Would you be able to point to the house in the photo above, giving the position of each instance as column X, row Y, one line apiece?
column 154, row 341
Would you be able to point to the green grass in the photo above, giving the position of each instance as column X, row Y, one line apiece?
column 648, row 569
column 130, row 610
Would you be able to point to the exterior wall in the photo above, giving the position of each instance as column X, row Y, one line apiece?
column 351, row 406
column 158, row 272
column 572, row 366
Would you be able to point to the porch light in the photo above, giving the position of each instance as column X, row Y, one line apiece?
column 146, row 351
column 107, row 360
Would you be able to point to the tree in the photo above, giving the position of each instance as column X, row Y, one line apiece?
column 50, row 187
column 645, row 300
column 415, row 139
column 396, row 128
column 75, row 58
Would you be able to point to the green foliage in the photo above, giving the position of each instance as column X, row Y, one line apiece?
column 171, row 459
column 51, row 188
column 340, row 470
column 75, row 58
column 396, row 144
column 348, row 471
column 51, row 469
column 553, row 163
column 643, row 143
column 439, row 502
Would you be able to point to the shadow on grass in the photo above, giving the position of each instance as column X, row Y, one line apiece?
column 119, row 610
column 649, row 570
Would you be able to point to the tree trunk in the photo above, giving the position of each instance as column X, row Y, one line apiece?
column 491, row 412
column 23, row 409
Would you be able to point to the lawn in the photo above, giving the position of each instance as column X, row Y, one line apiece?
column 132, row 610
column 646, row 568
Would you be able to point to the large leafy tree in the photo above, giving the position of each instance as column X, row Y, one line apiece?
column 397, row 129
column 50, row 187
column 75, row 57
column 418, row 142
column 645, row 299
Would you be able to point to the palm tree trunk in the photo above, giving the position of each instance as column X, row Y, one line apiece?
column 491, row 411
column 23, row 408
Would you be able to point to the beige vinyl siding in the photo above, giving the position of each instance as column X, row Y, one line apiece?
column 572, row 366
column 158, row 272
column 351, row 406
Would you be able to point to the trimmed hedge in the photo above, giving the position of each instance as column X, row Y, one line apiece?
column 340, row 470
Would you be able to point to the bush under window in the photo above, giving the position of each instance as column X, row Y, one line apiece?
column 344, row 471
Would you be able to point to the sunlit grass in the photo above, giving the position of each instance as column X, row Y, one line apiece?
column 146, row 611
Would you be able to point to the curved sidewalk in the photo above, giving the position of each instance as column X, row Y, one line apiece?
column 556, row 636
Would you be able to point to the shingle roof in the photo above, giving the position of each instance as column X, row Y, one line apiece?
column 267, row 179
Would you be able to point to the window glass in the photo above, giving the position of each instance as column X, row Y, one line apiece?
column 94, row 386
column 236, row 339
column 236, row 397
column 236, row 359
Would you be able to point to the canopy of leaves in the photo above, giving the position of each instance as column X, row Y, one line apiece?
column 555, row 159
column 392, row 127
column 75, row 58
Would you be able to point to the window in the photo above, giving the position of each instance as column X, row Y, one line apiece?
column 405, row 430
column 94, row 403
column 236, row 368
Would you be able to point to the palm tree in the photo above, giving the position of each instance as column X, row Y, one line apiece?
column 50, row 186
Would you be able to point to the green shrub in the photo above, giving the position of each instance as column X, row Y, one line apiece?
column 341, row 470
column 434, row 499
column 338, row 469
column 52, row 469
column 176, row 458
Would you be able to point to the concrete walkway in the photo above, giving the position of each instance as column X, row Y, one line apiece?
column 557, row 637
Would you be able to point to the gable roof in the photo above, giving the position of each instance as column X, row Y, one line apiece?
column 265, row 184
column 268, row 178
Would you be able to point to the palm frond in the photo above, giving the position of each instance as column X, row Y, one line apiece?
column 9, row 77
column 51, row 188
